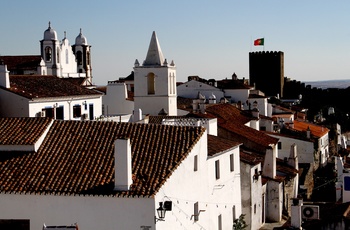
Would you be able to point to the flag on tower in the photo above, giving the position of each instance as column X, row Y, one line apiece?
column 259, row 42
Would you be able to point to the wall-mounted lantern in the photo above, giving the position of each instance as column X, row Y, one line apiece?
column 162, row 210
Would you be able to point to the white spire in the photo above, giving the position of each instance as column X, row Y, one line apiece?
column 154, row 54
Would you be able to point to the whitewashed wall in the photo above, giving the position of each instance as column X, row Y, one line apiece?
column 90, row 213
column 215, row 197
column 305, row 148
column 237, row 95
column 13, row 105
column 274, row 201
column 165, row 92
column 67, row 103
column 191, row 88
column 115, row 102
column 251, row 190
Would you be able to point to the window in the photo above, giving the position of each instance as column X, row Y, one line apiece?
column 48, row 112
column 220, row 222
column 76, row 111
column 21, row 224
column 279, row 145
column 233, row 213
column 232, row 163
column 58, row 55
column 67, row 59
column 48, row 53
column 59, row 113
column 254, row 208
column 79, row 58
column 347, row 183
column 196, row 211
column 217, row 169
column 151, row 83
column 195, row 167
column 91, row 111
column 263, row 128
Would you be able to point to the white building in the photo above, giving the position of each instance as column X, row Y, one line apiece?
column 46, row 96
column 155, row 82
column 58, row 58
column 109, row 175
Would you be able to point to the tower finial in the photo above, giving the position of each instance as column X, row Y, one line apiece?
column 81, row 31
column 65, row 34
column 49, row 25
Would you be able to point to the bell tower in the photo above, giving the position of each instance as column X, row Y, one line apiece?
column 82, row 50
column 155, row 83
column 50, row 52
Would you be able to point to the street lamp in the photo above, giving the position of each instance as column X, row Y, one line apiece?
column 160, row 212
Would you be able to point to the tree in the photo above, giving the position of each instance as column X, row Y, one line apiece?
column 239, row 224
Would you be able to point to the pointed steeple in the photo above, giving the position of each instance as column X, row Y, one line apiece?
column 154, row 54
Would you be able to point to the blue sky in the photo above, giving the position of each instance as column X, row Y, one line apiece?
column 211, row 39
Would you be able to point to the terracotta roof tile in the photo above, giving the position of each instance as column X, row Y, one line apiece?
column 233, row 120
column 50, row 86
column 218, row 145
column 25, row 62
column 77, row 157
column 316, row 130
column 22, row 131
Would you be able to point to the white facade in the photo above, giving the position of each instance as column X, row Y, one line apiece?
column 253, row 204
column 90, row 106
column 115, row 101
column 61, row 60
column 237, row 95
column 89, row 212
column 199, row 199
column 305, row 148
column 191, row 88
column 155, row 82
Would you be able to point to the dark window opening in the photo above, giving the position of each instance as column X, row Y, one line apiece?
column 59, row 113
column 48, row 53
column 76, row 111
column 14, row 224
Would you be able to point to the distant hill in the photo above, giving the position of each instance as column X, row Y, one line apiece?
column 340, row 84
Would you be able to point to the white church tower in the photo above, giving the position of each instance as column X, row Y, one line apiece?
column 50, row 51
column 82, row 50
column 155, row 83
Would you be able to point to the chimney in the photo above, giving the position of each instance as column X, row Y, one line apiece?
column 293, row 157
column 296, row 213
column 269, row 168
column 4, row 75
column 137, row 115
column 122, row 164
column 308, row 132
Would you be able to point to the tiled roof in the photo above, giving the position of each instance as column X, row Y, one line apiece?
column 22, row 131
column 228, row 112
column 316, row 130
column 15, row 63
column 283, row 169
column 40, row 86
column 233, row 120
column 159, row 119
column 74, row 80
column 251, row 158
column 218, row 145
column 77, row 157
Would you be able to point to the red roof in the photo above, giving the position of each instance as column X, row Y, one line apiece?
column 218, row 145
column 316, row 130
column 22, row 131
column 77, row 157
column 16, row 63
column 41, row 86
